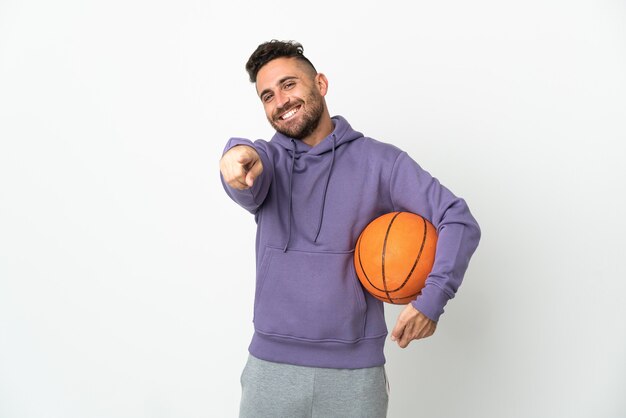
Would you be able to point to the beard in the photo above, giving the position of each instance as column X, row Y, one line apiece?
column 310, row 118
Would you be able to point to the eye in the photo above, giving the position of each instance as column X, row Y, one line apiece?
column 289, row 85
column 267, row 97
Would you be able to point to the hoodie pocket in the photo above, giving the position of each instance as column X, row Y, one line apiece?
column 310, row 296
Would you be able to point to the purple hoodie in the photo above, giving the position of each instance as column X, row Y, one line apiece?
column 310, row 205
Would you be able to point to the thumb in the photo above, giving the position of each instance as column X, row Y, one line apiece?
column 254, row 172
column 398, row 330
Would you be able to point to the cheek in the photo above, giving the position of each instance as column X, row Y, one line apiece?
column 268, row 110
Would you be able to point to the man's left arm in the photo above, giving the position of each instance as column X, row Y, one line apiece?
column 414, row 190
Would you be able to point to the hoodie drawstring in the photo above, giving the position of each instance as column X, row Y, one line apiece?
column 293, row 162
column 332, row 162
column 289, row 208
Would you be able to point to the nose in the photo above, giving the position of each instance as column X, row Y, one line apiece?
column 281, row 99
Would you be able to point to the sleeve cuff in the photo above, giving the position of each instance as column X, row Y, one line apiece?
column 233, row 142
column 431, row 302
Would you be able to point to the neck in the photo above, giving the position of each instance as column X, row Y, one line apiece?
column 324, row 129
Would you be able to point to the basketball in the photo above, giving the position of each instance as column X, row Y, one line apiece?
column 394, row 255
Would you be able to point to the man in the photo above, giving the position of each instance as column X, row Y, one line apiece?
column 317, row 349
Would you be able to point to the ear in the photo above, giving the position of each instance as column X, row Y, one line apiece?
column 321, row 82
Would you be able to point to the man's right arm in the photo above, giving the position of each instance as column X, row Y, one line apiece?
column 245, row 173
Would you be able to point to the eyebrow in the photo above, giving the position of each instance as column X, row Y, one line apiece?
column 281, row 81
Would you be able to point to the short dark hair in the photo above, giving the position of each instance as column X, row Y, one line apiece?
column 271, row 50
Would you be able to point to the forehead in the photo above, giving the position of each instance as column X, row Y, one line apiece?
column 274, row 71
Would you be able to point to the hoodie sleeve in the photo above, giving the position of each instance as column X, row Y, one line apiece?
column 252, row 198
column 415, row 190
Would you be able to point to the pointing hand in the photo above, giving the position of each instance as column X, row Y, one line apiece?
column 240, row 166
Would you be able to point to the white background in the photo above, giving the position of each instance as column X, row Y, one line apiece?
column 126, row 274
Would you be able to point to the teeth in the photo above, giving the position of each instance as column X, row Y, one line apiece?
column 289, row 114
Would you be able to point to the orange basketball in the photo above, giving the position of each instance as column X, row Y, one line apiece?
column 394, row 255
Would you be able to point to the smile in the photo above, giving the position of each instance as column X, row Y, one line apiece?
column 290, row 114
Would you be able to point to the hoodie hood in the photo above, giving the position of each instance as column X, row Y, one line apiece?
column 342, row 134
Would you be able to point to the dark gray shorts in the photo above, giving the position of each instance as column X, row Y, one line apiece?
column 275, row 390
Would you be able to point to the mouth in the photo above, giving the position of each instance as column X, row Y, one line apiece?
column 290, row 114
